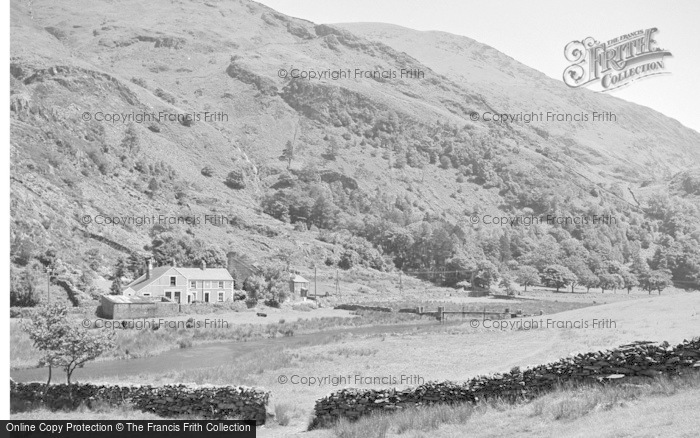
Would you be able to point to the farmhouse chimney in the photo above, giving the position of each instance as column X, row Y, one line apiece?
column 149, row 267
column 174, row 264
column 204, row 265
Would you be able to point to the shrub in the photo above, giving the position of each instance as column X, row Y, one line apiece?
column 207, row 171
column 23, row 293
column 236, row 179
column 164, row 95
column 239, row 295
column 272, row 302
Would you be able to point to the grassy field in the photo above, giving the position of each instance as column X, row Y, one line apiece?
column 667, row 406
column 286, row 321
column 429, row 351
column 134, row 343
column 434, row 352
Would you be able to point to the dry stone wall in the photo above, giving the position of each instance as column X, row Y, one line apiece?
column 637, row 359
column 209, row 402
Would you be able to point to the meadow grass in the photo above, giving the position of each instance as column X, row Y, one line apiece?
column 133, row 343
column 567, row 403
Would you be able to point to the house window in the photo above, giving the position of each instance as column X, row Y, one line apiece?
column 221, row 296
column 193, row 285
column 146, row 294
column 194, row 296
column 221, row 285
column 207, row 284
column 168, row 295
column 173, row 281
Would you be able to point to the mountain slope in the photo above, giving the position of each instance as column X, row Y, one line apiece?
column 640, row 140
column 366, row 149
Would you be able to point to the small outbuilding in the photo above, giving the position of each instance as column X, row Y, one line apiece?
column 126, row 307
column 298, row 285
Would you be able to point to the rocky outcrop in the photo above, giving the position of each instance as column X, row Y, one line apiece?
column 264, row 85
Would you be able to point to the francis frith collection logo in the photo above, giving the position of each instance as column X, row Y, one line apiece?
column 615, row 63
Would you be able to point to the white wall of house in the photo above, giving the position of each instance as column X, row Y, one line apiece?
column 177, row 287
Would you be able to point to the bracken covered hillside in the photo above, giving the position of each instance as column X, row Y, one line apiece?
column 295, row 165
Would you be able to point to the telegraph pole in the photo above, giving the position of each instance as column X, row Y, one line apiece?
column 400, row 282
column 315, row 290
column 337, row 292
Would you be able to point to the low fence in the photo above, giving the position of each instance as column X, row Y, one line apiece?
column 355, row 307
column 638, row 359
column 441, row 314
column 170, row 401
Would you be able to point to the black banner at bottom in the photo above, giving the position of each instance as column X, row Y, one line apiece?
column 128, row 428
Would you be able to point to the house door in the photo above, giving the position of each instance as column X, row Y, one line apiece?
column 206, row 297
column 189, row 298
column 177, row 297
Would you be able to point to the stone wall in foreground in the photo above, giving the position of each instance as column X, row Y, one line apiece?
column 207, row 402
column 637, row 359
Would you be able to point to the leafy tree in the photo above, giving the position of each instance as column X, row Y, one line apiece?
column 185, row 250
column 131, row 141
column 629, row 280
column 486, row 273
column 658, row 279
column 79, row 346
column 277, row 206
column 609, row 281
column 46, row 329
column 254, row 286
column 400, row 161
column 22, row 250
column 445, row 162
column 332, row 149
column 578, row 266
column 116, row 287
column 545, row 254
column 460, row 265
column 288, row 153
column 557, row 276
column 324, row 212
column 589, row 280
column 527, row 276
column 23, row 291
column 63, row 343
column 507, row 284
column 134, row 265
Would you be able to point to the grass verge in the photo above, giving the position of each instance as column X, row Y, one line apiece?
column 560, row 409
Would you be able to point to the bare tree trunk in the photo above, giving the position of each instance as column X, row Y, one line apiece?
column 48, row 382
